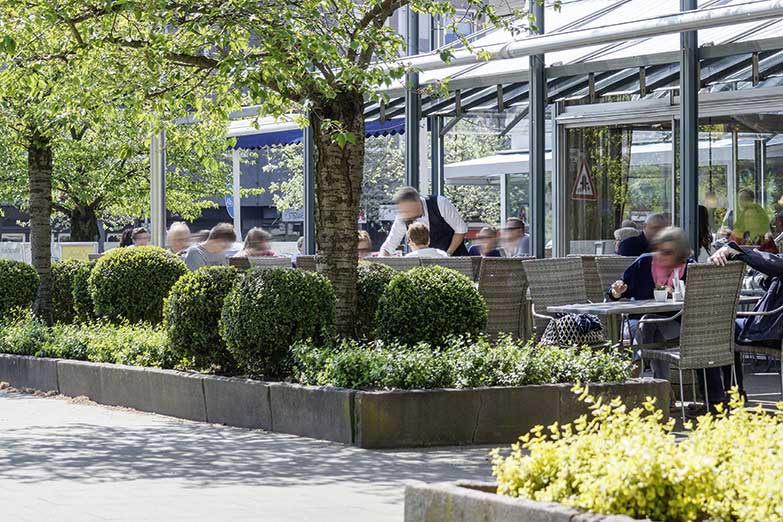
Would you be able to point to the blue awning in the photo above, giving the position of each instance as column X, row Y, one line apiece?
column 288, row 137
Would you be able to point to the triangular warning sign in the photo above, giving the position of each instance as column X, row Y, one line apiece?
column 583, row 184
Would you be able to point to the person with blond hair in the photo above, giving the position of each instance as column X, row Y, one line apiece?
column 257, row 244
column 178, row 237
column 419, row 243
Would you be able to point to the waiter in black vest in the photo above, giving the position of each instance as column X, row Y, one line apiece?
column 447, row 228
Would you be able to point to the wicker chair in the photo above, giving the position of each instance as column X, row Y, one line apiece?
column 463, row 265
column 707, row 322
column 306, row 263
column 769, row 351
column 240, row 263
column 554, row 282
column 397, row 263
column 595, row 291
column 270, row 262
column 503, row 285
column 611, row 268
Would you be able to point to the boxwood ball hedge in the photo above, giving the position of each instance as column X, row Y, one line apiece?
column 63, row 274
column 191, row 314
column 269, row 310
column 430, row 304
column 372, row 279
column 131, row 283
column 83, row 307
column 18, row 285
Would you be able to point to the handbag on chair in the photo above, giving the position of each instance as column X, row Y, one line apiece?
column 574, row 330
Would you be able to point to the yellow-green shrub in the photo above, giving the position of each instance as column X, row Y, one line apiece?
column 629, row 463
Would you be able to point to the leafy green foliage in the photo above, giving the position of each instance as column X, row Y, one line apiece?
column 430, row 304
column 83, row 307
column 459, row 363
column 191, row 314
column 371, row 282
column 617, row 461
column 137, row 345
column 63, row 274
column 18, row 285
column 269, row 310
column 131, row 283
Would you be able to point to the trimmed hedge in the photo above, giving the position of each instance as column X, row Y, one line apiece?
column 430, row 304
column 191, row 315
column 269, row 310
column 63, row 274
column 459, row 363
column 83, row 307
column 371, row 282
column 131, row 283
column 18, row 285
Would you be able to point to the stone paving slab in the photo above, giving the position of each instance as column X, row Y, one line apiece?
column 63, row 460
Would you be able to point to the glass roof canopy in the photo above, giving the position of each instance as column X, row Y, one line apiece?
column 748, row 53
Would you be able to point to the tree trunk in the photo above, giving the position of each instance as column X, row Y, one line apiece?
column 39, row 171
column 84, row 223
column 339, row 172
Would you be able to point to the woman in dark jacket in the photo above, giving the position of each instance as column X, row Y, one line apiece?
column 762, row 329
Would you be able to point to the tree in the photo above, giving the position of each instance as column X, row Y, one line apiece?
column 102, row 170
column 316, row 58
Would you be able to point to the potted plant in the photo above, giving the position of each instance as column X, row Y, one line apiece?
column 661, row 293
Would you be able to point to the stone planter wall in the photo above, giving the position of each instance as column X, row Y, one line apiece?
column 382, row 419
column 468, row 502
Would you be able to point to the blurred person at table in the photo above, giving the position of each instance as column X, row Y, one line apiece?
column 486, row 243
column 658, row 269
column 126, row 239
column 446, row 227
column 256, row 244
column 635, row 246
column 364, row 245
column 623, row 233
column 214, row 250
column 516, row 243
column 139, row 236
column 764, row 330
column 705, row 236
column 752, row 221
column 178, row 237
column 419, row 243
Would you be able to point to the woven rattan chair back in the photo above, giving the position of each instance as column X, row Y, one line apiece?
column 463, row 265
column 503, row 285
column 595, row 292
column 397, row 263
column 709, row 311
column 554, row 282
column 306, row 263
column 611, row 268
column 270, row 262
column 240, row 263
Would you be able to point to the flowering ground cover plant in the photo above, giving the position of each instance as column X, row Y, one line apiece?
column 628, row 462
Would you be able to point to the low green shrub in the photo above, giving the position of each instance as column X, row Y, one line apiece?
column 430, row 304
column 138, row 345
column 130, row 283
column 267, row 311
column 18, row 285
column 372, row 279
column 615, row 461
column 22, row 334
column 459, row 363
column 191, row 315
column 63, row 274
column 83, row 307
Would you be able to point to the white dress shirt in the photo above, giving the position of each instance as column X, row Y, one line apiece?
column 448, row 211
column 428, row 253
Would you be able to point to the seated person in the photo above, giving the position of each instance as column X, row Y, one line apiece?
column 212, row 251
column 419, row 242
column 621, row 234
column 637, row 245
column 486, row 243
column 516, row 243
column 256, row 244
column 364, row 245
column 766, row 330
column 178, row 237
